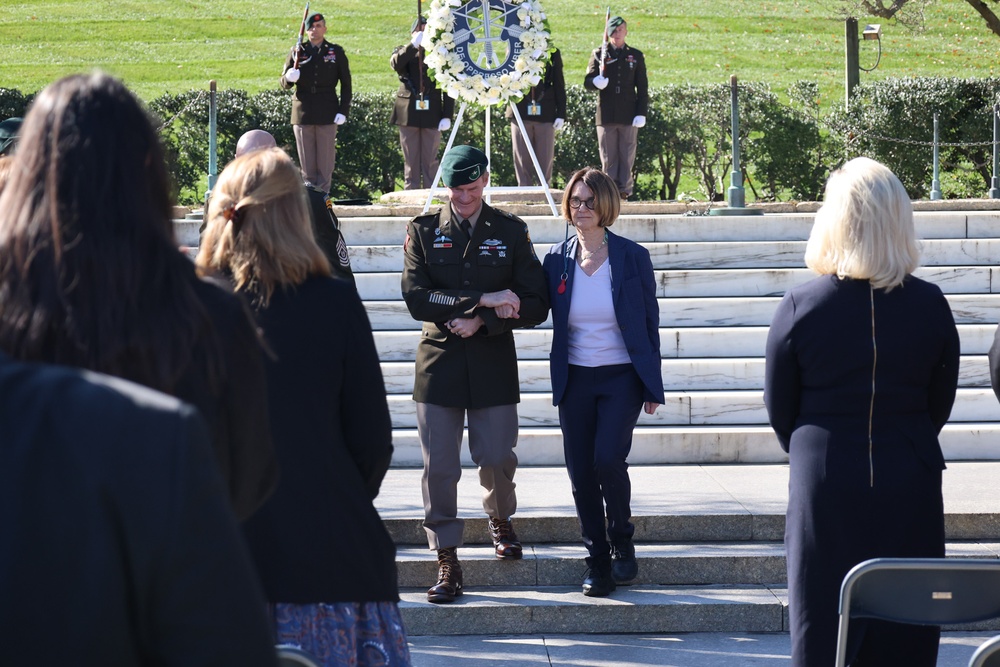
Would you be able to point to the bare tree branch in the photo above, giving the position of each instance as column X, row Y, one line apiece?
column 992, row 20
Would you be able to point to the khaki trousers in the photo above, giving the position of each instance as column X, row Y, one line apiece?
column 420, row 148
column 617, row 144
column 542, row 138
column 317, row 146
column 492, row 438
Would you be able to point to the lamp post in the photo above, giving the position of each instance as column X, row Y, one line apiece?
column 735, row 195
column 853, row 68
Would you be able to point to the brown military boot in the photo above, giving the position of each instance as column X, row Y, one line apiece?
column 449, row 583
column 505, row 542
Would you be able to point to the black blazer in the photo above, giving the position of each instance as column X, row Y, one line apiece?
column 319, row 537
column 633, row 286
column 116, row 533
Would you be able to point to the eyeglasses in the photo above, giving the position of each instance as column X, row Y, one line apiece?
column 576, row 202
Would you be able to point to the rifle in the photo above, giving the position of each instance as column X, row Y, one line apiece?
column 420, row 54
column 302, row 32
column 604, row 43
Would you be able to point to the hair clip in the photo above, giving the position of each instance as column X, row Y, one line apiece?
column 233, row 215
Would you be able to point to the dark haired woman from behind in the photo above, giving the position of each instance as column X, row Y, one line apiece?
column 90, row 274
column 326, row 561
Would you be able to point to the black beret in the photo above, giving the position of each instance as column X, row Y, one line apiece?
column 463, row 165
column 312, row 19
column 614, row 22
column 8, row 134
column 418, row 23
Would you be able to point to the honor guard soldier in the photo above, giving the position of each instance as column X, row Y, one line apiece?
column 421, row 111
column 543, row 111
column 471, row 275
column 622, row 104
column 316, row 67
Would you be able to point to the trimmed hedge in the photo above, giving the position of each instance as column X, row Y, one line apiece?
column 787, row 148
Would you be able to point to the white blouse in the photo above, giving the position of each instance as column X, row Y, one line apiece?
column 594, row 336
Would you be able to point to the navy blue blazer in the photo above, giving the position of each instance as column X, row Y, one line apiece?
column 633, row 287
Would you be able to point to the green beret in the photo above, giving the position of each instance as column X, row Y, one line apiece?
column 312, row 19
column 8, row 135
column 614, row 22
column 463, row 165
column 418, row 23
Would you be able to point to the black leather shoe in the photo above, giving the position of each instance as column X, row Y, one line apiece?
column 599, row 583
column 624, row 568
column 505, row 543
column 449, row 583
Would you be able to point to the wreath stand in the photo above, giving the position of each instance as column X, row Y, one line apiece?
column 489, row 188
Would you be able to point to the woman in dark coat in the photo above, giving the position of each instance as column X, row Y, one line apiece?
column 326, row 560
column 91, row 276
column 605, row 367
column 862, row 368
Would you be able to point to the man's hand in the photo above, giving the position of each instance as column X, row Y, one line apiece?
column 463, row 327
column 506, row 312
column 340, row 119
column 499, row 299
column 417, row 38
column 600, row 82
column 292, row 75
column 557, row 124
column 639, row 121
column 444, row 124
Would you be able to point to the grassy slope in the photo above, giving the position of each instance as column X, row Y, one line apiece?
column 162, row 46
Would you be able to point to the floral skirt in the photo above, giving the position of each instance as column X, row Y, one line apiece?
column 344, row 634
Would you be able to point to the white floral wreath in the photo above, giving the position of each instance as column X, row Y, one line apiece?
column 449, row 69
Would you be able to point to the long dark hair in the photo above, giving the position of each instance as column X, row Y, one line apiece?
column 90, row 273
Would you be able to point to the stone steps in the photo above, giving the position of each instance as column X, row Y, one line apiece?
column 709, row 311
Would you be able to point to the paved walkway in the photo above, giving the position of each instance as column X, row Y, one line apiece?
column 970, row 488
column 683, row 650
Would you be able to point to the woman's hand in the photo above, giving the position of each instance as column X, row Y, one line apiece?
column 463, row 327
column 649, row 407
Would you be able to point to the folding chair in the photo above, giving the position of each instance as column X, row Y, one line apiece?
column 919, row 591
column 293, row 656
column 987, row 655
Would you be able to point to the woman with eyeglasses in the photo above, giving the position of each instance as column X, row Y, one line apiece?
column 605, row 367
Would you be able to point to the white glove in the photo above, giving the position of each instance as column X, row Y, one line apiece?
column 417, row 38
column 444, row 125
column 340, row 119
column 292, row 75
column 557, row 124
column 600, row 82
column 639, row 121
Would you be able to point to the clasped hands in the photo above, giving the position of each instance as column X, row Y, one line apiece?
column 504, row 303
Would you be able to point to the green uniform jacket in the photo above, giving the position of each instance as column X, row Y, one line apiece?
column 408, row 66
column 627, row 94
column 549, row 94
column 315, row 101
column 443, row 278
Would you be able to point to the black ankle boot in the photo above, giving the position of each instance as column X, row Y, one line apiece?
column 624, row 567
column 599, row 583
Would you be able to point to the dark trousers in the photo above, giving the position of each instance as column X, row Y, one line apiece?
column 597, row 415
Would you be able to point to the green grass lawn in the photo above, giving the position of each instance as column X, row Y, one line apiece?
column 160, row 46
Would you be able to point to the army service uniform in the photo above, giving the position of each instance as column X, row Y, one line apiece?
column 315, row 105
column 418, row 110
column 326, row 229
column 444, row 276
column 539, row 108
column 626, row 96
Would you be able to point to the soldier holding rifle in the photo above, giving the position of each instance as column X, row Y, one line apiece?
column 421, row 111
column 618, row 72
column 315, row 68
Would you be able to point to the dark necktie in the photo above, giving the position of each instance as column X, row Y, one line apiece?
column 466, row 227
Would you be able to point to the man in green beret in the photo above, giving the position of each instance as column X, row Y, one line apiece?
column 471, row 276
column 623, row 100
column 8, row 135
